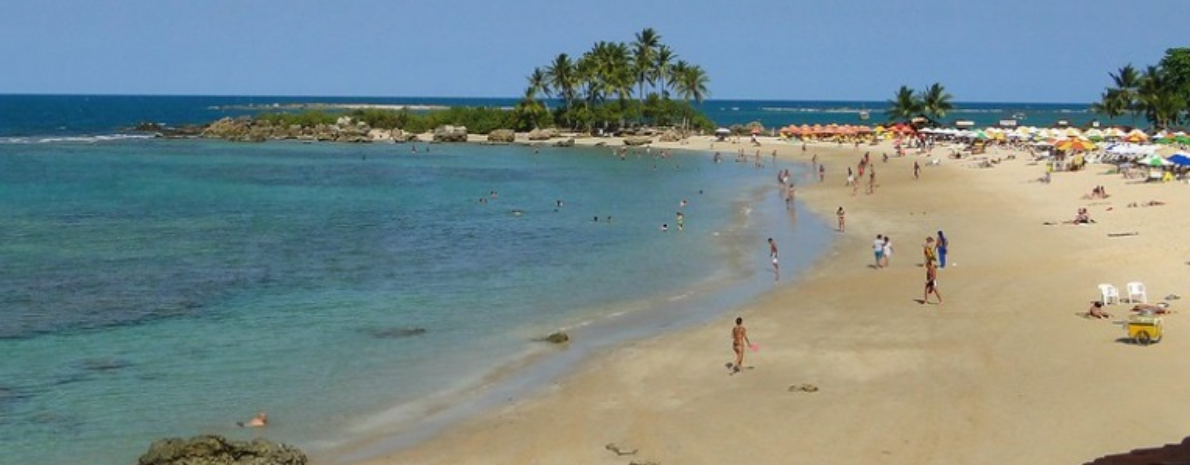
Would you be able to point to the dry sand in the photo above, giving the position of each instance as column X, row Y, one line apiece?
column 1005, row 372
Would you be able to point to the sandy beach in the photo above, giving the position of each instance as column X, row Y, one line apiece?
column 854, row 369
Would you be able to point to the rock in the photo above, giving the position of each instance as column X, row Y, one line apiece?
column 671, row 136
column 559, row 337
column 543, row 134
column 502, row 136
column 380, row 135
column 217, row 450
column 565, row 143
column 449, row 133
column 638, row 140
column 146, row 126
column 393, row 333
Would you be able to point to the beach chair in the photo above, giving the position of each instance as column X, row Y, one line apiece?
column 1137, row 289
column 1108, row 294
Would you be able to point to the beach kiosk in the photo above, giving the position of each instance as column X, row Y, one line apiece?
column 1144, row 329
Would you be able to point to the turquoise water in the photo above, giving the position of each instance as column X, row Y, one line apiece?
column 168, row 288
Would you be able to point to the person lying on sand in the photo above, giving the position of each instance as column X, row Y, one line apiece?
column 1096, row 311
column 259, row 421
column 1149, row 309
column 1151, row 203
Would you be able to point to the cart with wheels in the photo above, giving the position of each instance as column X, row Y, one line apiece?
column 1144, row 329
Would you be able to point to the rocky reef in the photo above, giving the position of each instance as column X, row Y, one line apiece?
column 217, row 450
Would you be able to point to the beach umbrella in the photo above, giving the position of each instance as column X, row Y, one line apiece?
column 1113, row 133
column 1073, row 132
column 1180, row 159
column 1075, row 143
column 1094, row 134
column 1136, row 136
column 1154, row 161
column 722, row 131
column 791, row 130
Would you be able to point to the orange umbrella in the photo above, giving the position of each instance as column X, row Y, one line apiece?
column 1075, row 144
column 817, row 129
column 791, row 130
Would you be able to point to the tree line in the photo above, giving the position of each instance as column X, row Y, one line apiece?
column 615, row 84
column 1160, row 93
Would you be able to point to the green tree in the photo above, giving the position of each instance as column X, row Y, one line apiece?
column 935, row 102
column 905, row 105
column 643, row 60
column 690, row 83
column 663, row 67
column 1159, row 99
column 1125, row 91
column 563, row 79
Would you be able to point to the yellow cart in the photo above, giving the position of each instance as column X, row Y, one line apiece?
column 1144, row 329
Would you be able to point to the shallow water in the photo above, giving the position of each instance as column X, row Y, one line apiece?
column 158, row 288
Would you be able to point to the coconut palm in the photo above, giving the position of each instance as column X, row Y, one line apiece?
column 690, row 83
column 1110, row 104
column 663, row 67
column 904, row 105
column 643, row 59
column 539, row 83
column 1126, row 83
column 1158, row 99
column 563, row 79
column 936, row 102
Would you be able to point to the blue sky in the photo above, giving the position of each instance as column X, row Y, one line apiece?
column 994, row 50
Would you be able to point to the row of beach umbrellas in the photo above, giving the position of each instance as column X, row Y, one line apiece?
column 844, row 129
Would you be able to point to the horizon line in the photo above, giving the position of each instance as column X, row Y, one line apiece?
column 117, row 94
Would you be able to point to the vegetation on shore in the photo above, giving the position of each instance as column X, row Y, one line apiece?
column 1160, row 93
column 609, row 87
column 613, row 84
column 933, row 104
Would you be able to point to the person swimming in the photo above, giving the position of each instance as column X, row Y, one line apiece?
column 259, row 421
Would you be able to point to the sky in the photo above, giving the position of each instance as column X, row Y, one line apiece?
column 981, row 51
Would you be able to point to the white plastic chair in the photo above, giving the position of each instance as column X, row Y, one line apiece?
column 1108, row 294
column 1137, row 289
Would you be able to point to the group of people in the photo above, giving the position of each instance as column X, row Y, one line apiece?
column 1096, row 310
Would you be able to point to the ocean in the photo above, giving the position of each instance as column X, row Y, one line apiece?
column 152, row 288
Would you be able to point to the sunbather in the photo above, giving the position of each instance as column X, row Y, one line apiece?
column 1149, row 309
column 1096, row 311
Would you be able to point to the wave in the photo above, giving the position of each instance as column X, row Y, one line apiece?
column 74, row 139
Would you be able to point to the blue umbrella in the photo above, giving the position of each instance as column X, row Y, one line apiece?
column 1179, row 159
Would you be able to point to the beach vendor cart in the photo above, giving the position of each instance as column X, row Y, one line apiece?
column 1144, row 329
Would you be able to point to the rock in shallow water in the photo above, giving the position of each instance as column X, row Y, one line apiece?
column 217, row 450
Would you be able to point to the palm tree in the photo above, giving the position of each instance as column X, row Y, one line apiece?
column 529, row 109
column 663, row 67
column 1127, row 85
column 1110, row 104
column 690, row 83
column 539, row 83
column 936, row 102
column 1158, row 98
column 904, row 105
column 563, row 79
column 643, row 61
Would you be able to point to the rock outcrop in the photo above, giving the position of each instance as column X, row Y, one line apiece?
column 543, row 134
column 217, row 450
column 672, row 135
column 559, row 337
column 502, row 136
column 565, row 143
column 638, row 140
column 449, row 133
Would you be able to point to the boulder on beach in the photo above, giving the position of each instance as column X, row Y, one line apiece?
column 502, row 136
column 671, row 135
column 569, row 142
column 450, row 133
column 543, row 134
column 559, row 337
column 217, row 450
column 638, row 140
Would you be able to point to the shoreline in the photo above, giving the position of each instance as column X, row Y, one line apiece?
column 904, row 382
column 408, row 425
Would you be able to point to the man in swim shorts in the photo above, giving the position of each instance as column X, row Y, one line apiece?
column 878, row 250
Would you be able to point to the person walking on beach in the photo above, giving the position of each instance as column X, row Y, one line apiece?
column 943, row 245
column 739, row 338
column 878, row 250
column 821, row 173
column 927, row 250
column 888, row 250
column 773, row 255
column 842, row 218
column 872, row 182
column 931, row 283
column 916, row 170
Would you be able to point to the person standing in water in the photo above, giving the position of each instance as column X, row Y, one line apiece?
column 773, row 255
column 739, row 339
column 842, row 219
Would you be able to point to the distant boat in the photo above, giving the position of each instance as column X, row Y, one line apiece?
column 864, row 115
column 1018, row 116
